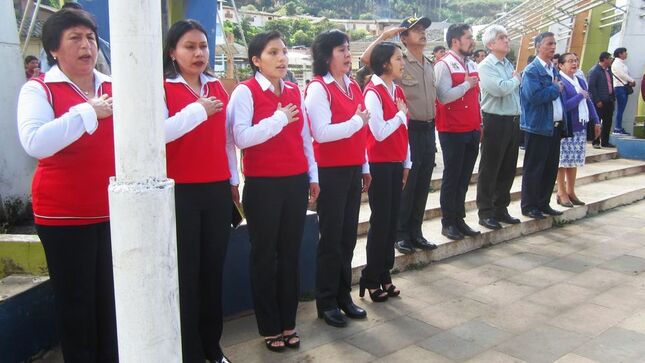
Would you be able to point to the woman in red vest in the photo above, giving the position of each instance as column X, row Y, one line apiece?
column 65, row 121
column 336, row 112
column 269, row 127
column 389, row 156
column 201, row 159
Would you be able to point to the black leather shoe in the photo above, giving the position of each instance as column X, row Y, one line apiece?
column 490, row 223
column 550, row 211
column 404, row 247
column 423, row 244
column 608, row 145
column 452, row 232
column 333, row 317
column 466, row 230
column 535, row 214
column 221, row 360
column 353, row 311
column 507, row 218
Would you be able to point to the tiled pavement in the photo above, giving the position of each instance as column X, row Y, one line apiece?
column 574, row 293
column 571, row 294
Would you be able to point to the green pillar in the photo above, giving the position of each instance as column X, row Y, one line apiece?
column 596, row 39
column 175, row 11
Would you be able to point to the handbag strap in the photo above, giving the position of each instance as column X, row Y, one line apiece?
column 619, row 80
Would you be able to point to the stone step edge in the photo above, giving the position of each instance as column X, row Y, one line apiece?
column 471, row 204
column 435, row 184
column 490, row 238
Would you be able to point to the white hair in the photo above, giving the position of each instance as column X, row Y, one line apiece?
column 491, row 33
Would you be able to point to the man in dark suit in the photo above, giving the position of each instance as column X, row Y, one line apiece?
column 602, row 94
column 544, row 122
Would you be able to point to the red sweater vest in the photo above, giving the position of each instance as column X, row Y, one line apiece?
column 461, row 115
column 200, row 155
column 283, row 154
column 395, row 147
column 71, row 186
column 349, row 151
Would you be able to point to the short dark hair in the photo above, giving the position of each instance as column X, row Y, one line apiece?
column 619, row 51
column 438, row 48
column 603, row 56
column 72, row 5
column 540, row 37
column 323, row 47
column 29, row 58
column 562, row 58
column 556, row 56
column 60, row 21
column 530, row 59
column 176, row 31
column 477, row 52
column 259, row 42
column 381, row 55
column 455, row 31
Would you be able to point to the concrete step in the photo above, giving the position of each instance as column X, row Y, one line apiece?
column 600, row 196
column 592, row 156
column 601, row 169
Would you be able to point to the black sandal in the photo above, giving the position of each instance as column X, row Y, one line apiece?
column 376, row 295
column 392, row 291
column 269, row 341
column 287, row 340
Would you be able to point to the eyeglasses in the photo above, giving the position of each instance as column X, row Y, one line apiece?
column 572, row 61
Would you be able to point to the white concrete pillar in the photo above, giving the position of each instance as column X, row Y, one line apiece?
column 16, row 167
column 632, row 37
column 142, row 208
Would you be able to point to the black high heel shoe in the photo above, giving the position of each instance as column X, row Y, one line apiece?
column 391, row 290
column 376, row 295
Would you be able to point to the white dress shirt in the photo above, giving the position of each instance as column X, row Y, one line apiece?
column 245, row 134
column 192, row 116
column 319, row 113
column 379, row 127
column 41, row 134
column 557, row 104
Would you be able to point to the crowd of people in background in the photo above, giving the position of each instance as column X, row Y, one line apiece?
column 328, row 144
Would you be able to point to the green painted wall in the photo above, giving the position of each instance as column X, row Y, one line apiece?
column 23, row 258
column 596, row 39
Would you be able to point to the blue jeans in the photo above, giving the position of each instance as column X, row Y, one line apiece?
column 621, row 101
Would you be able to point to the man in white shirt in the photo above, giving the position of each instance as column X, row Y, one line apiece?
column 622, row 79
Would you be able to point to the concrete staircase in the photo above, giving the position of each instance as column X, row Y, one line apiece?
column 605, row 182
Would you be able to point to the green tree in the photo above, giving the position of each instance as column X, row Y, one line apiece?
column 358, row 34
column 302, row 38
column 281, row 25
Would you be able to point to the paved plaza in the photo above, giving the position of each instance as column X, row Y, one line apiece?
column 574, row 293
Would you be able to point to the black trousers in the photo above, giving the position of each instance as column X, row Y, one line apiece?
column 275, row 211
column 203, row 228
column 79, row 259
column 385, row 200
column 415, row 194
column 497, row 165
column 460, row 150
column 338, row 206
column 540, row 169
column 606, row 113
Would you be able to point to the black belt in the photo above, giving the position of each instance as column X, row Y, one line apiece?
column 510, row 117
column 420, row 123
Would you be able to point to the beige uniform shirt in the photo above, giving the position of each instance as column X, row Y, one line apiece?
column 419, row 88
